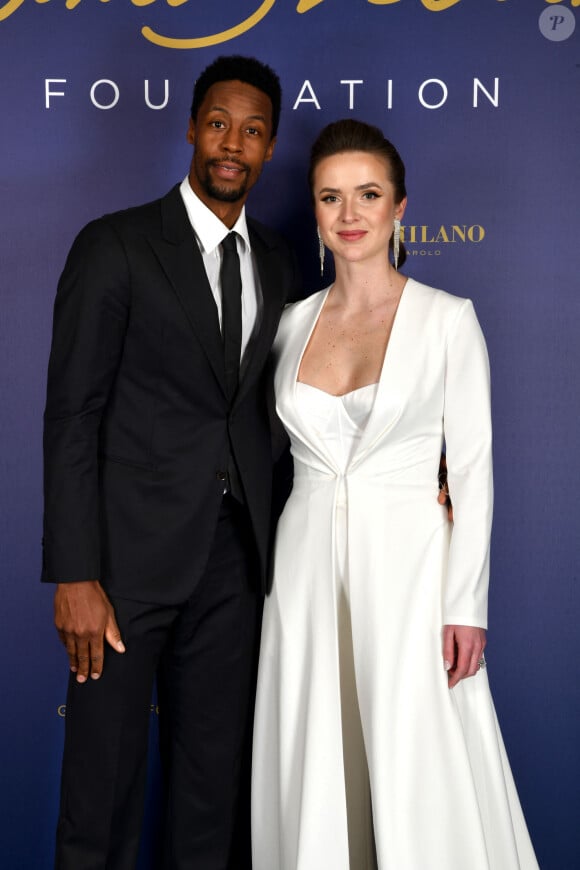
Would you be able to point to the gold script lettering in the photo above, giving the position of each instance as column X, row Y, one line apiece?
column 438, row 5
column 214, row 39
column 11, row 6
column 307, row 5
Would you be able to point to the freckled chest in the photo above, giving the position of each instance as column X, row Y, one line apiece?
column 346, row 351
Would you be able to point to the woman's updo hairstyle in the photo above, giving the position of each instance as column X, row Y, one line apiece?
column 351, row 135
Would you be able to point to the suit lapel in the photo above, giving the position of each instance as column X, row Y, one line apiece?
column 181, row 260
column 268, row 263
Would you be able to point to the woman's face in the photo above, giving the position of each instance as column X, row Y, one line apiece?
column 355, row 205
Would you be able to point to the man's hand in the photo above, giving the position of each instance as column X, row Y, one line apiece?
column 463, row 647
column 444, row 498
column 83, row 616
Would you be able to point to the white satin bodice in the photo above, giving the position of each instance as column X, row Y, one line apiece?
column 338, row 420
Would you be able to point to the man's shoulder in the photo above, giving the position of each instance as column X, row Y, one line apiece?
column 147, row 219
column 146, row 214
column 266, row 235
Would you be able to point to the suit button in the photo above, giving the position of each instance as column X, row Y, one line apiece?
column 221, row 476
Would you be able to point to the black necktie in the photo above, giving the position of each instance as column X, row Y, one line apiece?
column 231, row 283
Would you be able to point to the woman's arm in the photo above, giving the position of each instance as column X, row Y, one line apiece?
column 467, row 425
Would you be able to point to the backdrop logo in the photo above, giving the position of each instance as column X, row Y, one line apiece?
column 234, row 30
column 557, row 21
column 432, row 94
column 431, row 240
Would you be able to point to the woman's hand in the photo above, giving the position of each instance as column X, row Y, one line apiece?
column 463, row 647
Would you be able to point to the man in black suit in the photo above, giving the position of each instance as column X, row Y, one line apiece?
column 158, row 476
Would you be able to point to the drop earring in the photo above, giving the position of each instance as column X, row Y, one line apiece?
column 396, row 242
column 320, row 250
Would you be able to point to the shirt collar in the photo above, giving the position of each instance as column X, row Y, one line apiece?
column 208, row 228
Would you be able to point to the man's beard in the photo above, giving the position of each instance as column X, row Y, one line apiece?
column 223, row 194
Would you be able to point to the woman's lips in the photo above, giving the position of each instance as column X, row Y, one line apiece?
column 352, row 235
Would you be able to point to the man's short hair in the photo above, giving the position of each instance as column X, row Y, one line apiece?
column 235, row 67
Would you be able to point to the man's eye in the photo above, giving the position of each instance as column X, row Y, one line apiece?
column 329, row 198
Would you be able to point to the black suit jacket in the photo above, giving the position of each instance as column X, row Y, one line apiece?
column 137, row 423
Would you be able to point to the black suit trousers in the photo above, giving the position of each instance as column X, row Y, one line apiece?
column 204, row 653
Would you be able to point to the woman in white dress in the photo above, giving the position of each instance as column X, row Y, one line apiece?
column 376, row 743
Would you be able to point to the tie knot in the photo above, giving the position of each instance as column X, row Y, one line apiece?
column 229, row 243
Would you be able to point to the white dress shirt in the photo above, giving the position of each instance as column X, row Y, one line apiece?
column 210, row 233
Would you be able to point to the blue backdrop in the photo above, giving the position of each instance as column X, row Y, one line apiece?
column 481, row 97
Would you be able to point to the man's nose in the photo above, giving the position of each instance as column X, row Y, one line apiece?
column 232, row 141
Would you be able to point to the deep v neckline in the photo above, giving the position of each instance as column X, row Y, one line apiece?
column 315, row 323
column 385, row 411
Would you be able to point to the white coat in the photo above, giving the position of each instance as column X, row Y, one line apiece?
column 443, row 796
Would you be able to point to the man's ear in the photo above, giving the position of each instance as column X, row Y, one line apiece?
column 191, row 132
column 270, row 150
